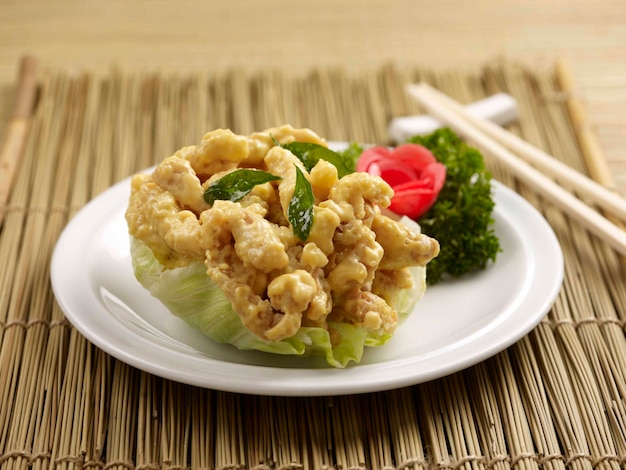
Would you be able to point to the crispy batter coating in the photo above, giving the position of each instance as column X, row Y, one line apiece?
column 154, row 216
column 175, row 175
column 403, row 247
column 349, row 269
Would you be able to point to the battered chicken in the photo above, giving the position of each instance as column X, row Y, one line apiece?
column 349, row 269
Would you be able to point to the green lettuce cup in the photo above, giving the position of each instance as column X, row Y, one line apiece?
column 190, row 294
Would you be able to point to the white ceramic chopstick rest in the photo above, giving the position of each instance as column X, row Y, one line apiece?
column 500, row 108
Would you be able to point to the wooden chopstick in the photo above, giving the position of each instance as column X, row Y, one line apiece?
column 584, row 186
column 17, row 129
column 495, row 140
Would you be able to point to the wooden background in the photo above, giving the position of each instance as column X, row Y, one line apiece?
column 191, row 35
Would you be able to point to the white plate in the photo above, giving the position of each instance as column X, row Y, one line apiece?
column 457, row 323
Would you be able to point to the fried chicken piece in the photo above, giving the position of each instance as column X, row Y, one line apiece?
column 154, row 216
column 365, row 309
column 403, row 247
column 363, row 192
column 177, row 176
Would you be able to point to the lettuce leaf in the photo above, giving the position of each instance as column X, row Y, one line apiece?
column 191, row 295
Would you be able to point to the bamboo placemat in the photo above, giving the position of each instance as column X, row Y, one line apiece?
column 555, row 399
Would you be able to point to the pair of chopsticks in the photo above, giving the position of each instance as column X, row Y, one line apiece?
column 532, row 166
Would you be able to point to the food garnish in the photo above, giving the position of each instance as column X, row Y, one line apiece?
column 457, row 211
column 413, row 173
column 462, row 217
column 237, row 184
column 300, row 209
column 310, row 154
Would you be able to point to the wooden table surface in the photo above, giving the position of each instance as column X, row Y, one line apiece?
column 195, row 35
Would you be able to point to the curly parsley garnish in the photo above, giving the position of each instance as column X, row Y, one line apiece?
column 461, row 218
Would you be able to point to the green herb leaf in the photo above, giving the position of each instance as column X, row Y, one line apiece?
column 237, row 184
column 309, row 154
column 461, row 218
column 351, row 154
column 300, row 210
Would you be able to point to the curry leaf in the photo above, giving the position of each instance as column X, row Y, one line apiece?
column 300, row 210
column 310, row 153
column 236, row 184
